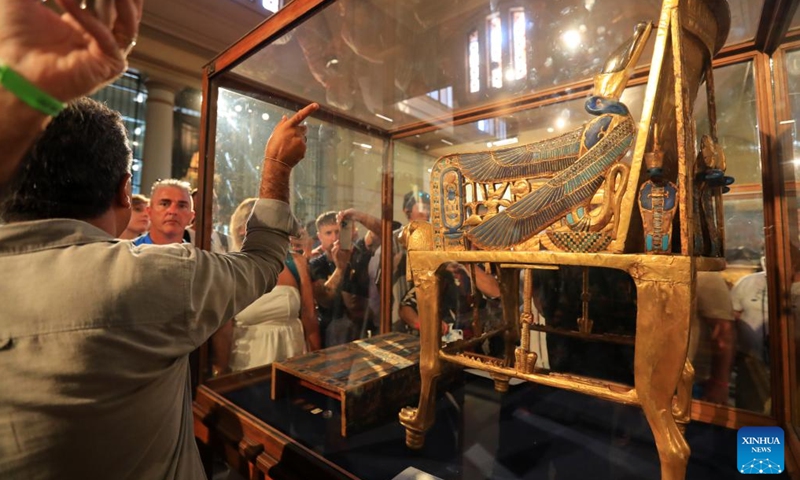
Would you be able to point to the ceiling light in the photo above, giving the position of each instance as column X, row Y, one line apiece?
column 571, row 39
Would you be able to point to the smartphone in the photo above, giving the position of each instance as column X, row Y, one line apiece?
column 346, row 235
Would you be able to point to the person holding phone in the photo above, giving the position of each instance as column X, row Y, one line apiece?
column 340, row 275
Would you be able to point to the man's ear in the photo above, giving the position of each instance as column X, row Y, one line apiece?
column 123, row 197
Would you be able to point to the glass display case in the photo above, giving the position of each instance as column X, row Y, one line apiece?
column 403, row 83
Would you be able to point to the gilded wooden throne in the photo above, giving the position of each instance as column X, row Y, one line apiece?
column 574, row 200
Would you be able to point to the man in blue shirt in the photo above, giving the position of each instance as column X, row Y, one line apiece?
column 171, row 211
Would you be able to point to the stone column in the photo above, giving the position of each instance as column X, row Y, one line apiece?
column 157, row 153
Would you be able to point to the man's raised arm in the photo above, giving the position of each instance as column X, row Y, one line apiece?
column 285, row 148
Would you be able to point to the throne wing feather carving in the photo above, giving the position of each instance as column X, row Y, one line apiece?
column 576, row 163
column 535, row 160
column 605, row 141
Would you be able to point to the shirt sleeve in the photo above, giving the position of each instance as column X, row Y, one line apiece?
column 221, row 285
column 736, row 296
column 713, row 297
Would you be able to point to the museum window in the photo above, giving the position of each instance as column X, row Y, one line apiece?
column 519, row 61
column 271, row 5
column 443, row 96
column 506, row 52
column 474, row 62
column 186, row 133
column 127, row 95
column 494, row 34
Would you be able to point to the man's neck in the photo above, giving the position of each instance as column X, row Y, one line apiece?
column 105, row 221
column 160, row 238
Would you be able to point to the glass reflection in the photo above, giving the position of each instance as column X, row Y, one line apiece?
column 712, row 341
column 745, row 15
column 601, row 347
column 469, row 304
column 735, row 376
column 791, row 169
column 340, row 176
column 378, row 62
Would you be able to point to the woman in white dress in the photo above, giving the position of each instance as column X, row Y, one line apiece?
column 279, row 325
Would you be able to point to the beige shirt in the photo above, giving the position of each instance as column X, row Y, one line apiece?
column 94, row 341
column 713, row 302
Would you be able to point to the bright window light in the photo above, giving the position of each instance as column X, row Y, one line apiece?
column 495, row 31
column 271, row 5
column 474, row 63
column 519, row 59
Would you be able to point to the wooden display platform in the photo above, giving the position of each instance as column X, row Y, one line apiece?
column 371, row 378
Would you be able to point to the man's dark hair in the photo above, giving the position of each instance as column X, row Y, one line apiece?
column 74, row 168
column 413, row 197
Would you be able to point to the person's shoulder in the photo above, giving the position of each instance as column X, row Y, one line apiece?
column 360, row 246
column 319, row 262
column 711, row 280
column 149, row 250
column 749, row 280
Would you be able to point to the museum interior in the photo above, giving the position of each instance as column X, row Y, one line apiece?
column 620, row 173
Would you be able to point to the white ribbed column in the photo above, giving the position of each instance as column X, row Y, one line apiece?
column 157, row 152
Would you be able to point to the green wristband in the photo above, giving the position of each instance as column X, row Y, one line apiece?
column 28, row 92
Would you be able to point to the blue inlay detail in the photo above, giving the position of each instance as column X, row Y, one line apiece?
column 599, row 105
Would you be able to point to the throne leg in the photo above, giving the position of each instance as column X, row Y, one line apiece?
column 500, row 382
column 662, row 334
column 509, row 281
column 682, row 409
column 418, row 420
